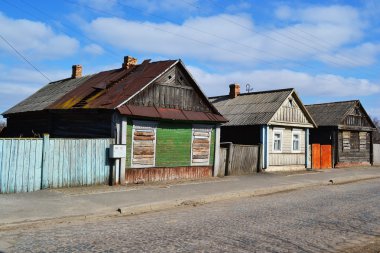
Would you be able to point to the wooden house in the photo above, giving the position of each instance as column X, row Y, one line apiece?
column 277, row 119
column 156, row 109
column 344, row 134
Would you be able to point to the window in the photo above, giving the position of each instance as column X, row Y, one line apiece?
column 346, row 136
column 277, row 140
column 296, row 141
column 363, row 140
column 290, row 103
column 143, row 144
column 200, row 148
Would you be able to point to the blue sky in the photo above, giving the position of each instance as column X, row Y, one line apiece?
column 327, row 50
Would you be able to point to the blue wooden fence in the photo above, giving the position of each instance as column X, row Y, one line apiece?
column 31, row 164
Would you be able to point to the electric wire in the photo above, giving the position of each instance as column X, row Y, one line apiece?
column 24, row 58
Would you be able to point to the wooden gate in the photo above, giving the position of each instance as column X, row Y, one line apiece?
column 321, row 156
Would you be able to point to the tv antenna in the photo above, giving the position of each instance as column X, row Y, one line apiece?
column 248, row 88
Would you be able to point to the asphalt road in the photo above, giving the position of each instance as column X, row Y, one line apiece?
column 335, row 218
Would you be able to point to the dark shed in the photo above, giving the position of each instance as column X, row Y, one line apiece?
column 345, row 127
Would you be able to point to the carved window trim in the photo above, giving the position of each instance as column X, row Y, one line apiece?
column 279, row 139
column 143, row 126
column 296, row 132
column 200, row 132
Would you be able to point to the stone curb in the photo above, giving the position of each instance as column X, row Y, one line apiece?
column 184, row 202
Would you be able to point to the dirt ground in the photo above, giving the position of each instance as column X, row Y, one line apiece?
column 372, row 246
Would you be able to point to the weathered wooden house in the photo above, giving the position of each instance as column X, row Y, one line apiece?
column 343, row 136
column 277, row 119
column 156, row 109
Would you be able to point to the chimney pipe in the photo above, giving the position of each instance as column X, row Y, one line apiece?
column 129, row 62
column 234, row 90
column 77, row 71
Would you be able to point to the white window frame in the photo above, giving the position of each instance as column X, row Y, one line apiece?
column 281, row 132
column 204, row 128
column 296, row 132
column 139, row 124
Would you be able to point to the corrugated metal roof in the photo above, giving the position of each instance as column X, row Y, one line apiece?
column 169, row 113
column 330, row 114
column 121, row 84
column 256, row 108
column 47, row 95
column 109, row 90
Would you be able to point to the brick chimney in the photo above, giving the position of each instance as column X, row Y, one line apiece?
column 129, row 62
column 77, row 71
column 234, row 90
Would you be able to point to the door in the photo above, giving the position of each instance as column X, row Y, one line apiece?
column 326, row 161
column 321, row 156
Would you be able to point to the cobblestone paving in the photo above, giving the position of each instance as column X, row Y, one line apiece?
column 321, row 219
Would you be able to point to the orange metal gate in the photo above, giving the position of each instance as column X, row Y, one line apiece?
column 321, row 156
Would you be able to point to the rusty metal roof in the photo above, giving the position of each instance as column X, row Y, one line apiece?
column 119, row 85
column 169, row 113
column 110, row 90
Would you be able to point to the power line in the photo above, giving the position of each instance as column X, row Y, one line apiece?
column 23, row 57
column 113, row 54
column 275, row 39
column 173, row 33
column 198, row 41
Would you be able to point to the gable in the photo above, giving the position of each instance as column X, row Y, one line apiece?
column 291, row 112
column 175, row 90
column 357, row 116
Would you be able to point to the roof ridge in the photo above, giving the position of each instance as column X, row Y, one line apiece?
column 337, row 102
column 257, row 92
column 69, row 78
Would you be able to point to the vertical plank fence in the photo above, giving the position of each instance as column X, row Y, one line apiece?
column 376, row 154
column 238, row 159
column 32, row 164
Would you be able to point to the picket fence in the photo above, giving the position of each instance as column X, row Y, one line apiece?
column 32, row 164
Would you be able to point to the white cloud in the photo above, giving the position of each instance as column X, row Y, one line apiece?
column 305, row 84
column 283, row 12
column 234, row 38
column 93, row 49
column 35, row 39
column 362, row 55
column 17, row 84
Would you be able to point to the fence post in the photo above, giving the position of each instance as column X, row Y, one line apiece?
column 260, row 158
column 217, row 150
column 230, row 157
column 45, row 162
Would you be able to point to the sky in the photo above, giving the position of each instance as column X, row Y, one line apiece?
column 327, row 50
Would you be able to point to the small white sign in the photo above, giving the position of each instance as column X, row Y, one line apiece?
column 118, row 151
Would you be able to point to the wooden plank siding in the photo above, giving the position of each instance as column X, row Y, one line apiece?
column 286, row 156
column 167, row 174
column 290, row 112
column 353, row 148
column 244, row 160
column 172, row 90
column 31, row 164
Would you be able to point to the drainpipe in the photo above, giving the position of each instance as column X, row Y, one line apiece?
column 307, row 141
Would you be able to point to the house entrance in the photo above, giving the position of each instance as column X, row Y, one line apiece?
column 321, row 156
